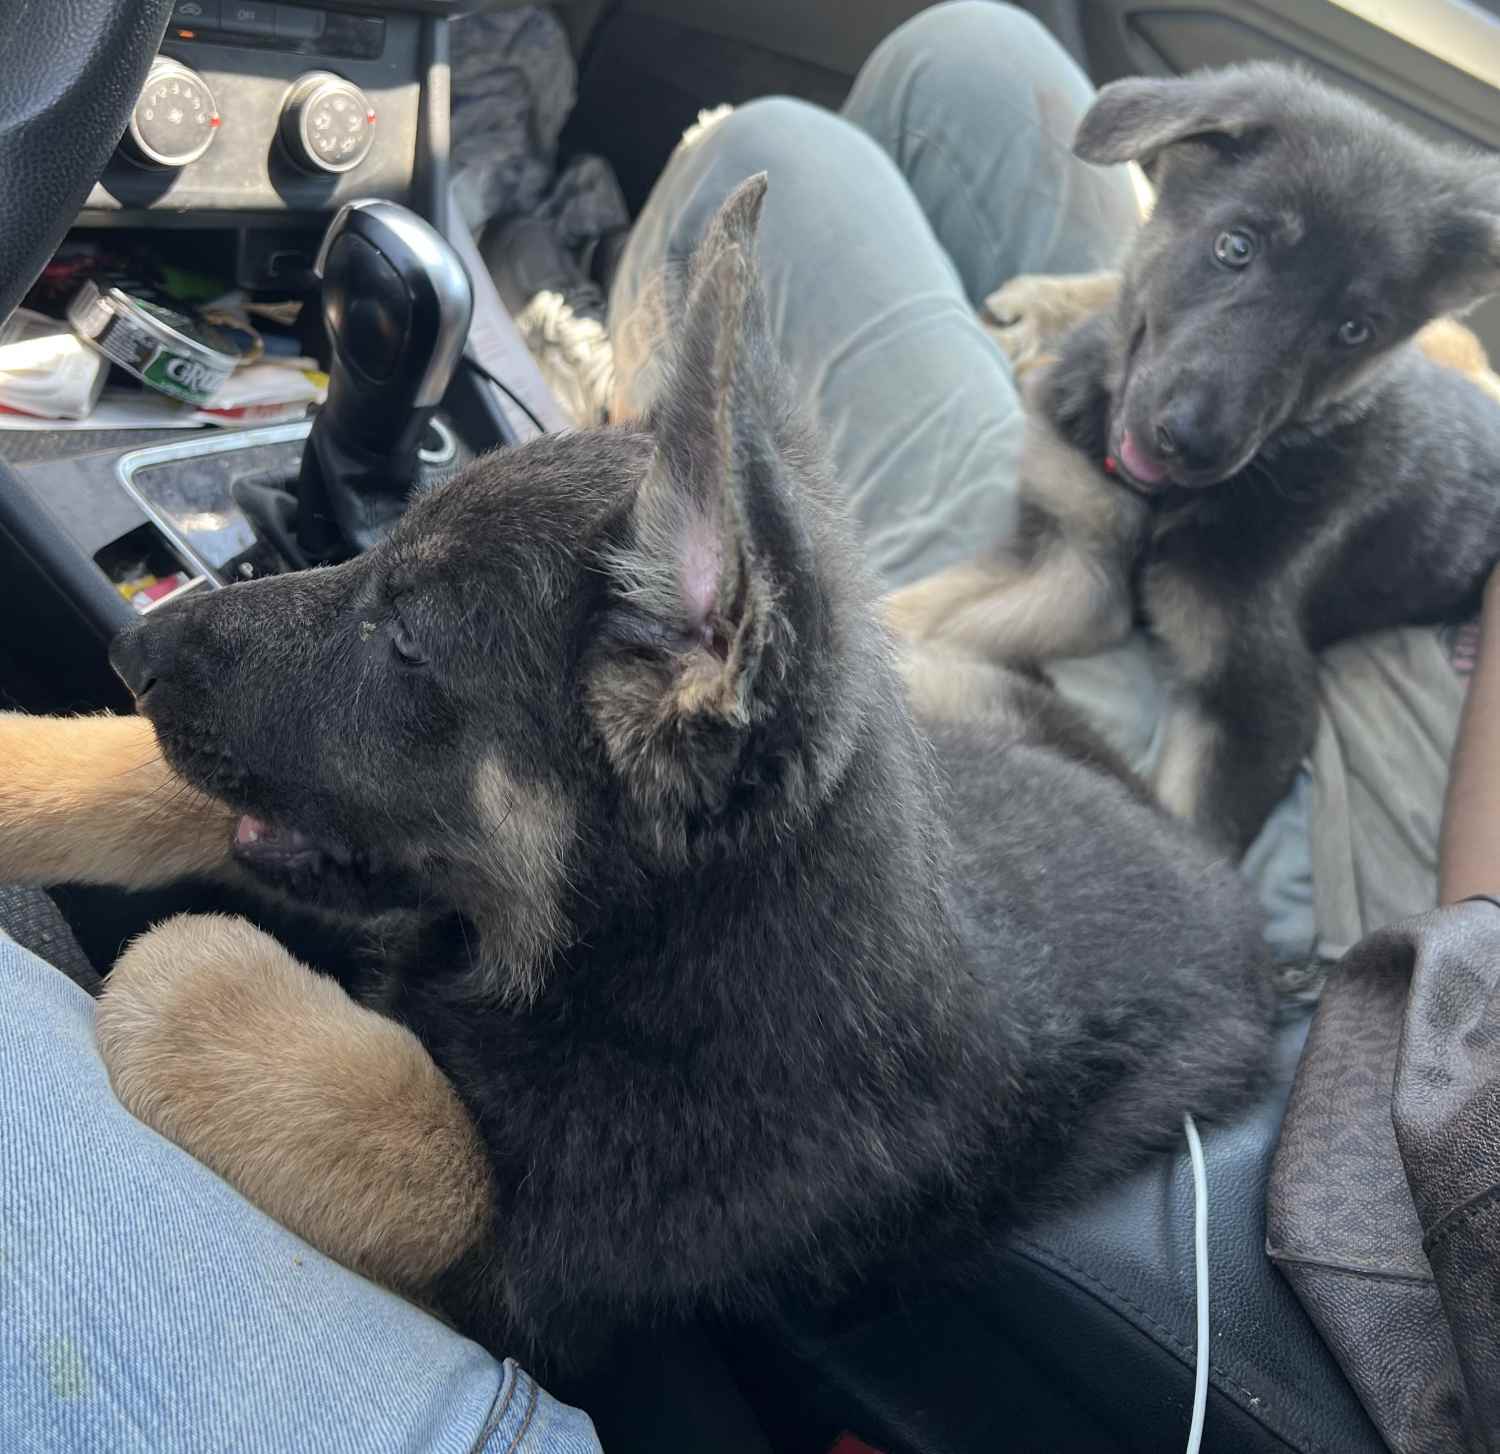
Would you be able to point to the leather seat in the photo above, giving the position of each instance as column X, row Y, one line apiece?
column 33, row 920
column 1079, row 1333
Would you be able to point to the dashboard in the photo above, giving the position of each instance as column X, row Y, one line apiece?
column 255, row 109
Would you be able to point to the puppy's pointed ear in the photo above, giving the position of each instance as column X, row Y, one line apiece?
column 694, row 621
column 735, row 225
column 1137, row 119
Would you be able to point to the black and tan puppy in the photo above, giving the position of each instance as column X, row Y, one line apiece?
column 749, row 977
column 1245, row 447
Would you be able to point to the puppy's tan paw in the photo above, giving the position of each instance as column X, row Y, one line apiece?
column 909, row 612
column 1448, row 342
column 1031, row 312
column 331, row 1118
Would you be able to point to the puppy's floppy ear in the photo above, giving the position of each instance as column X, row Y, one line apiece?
column 695, row 631
column 1135, row 120
column 1466, row 267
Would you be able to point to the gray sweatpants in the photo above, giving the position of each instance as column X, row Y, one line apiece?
column 948, row 171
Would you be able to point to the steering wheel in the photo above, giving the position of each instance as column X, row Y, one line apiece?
column 71, row 74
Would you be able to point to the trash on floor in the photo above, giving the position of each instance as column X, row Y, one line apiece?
column 144, row 591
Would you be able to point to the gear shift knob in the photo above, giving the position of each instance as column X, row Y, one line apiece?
column 396, row 304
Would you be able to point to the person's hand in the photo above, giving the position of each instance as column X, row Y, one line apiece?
column 1469, row 845
column 1492, row 591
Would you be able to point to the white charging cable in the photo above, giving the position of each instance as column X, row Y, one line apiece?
column 1200, row 1258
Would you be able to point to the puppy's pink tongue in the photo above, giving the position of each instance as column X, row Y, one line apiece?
column 250, row 830
column 1147, row 471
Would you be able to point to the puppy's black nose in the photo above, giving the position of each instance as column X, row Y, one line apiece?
column 143, row 654
column 1187, row 431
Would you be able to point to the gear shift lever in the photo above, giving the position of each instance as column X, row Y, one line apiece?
column 396, row 303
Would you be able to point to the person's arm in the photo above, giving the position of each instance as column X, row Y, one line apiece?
column 1469, row 845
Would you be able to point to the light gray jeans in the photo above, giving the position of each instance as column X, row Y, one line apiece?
column 948, row 172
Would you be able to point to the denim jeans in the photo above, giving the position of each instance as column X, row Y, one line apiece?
column 145, row 1306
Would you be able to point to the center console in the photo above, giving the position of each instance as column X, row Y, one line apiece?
column 258, row 125
column 254, row 108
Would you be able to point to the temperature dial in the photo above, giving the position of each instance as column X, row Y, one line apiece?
column 175, row 120
column 327, row 123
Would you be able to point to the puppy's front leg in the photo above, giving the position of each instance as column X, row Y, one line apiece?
column 1233, row 741
column 329, row 1117
column 91, row 800
column 1068, row 599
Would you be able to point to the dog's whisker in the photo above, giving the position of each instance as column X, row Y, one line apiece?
column 468, row 948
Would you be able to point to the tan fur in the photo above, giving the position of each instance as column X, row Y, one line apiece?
column 90, row 800
column 1197, row 626
column 1070, row 598
column 1448, row 342
column 944, row 684
column 1068, row 603
column 639, row 343
column 640, row 714
column 1070, row 487
column 1189, row 737
column 520, row 866
column 1029, row 313
column 329, row 1117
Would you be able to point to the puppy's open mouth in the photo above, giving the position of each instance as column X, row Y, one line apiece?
column 1138, row 468
column 1129, row 460
column 278, row 851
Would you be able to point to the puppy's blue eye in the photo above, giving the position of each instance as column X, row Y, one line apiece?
column 1234, row 248
column 1353, row 332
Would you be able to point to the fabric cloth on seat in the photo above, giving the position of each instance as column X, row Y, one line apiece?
column 1384, row 1200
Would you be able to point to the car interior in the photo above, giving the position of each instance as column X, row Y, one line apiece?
column 1077, row 1334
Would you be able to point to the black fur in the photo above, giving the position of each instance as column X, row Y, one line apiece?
column 1317, row 489
column 815, row 984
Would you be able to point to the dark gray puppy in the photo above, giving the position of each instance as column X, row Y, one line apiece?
column 749, row 981
column 1295, row 471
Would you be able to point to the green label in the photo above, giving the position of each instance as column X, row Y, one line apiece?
column 183, row 378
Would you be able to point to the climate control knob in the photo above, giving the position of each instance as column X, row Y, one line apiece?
column 175, row 119
column 327, row 123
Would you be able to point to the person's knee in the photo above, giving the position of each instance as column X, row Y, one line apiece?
column 771, row 134
column 815, row 161
column 965, row 68
column 968, row 31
